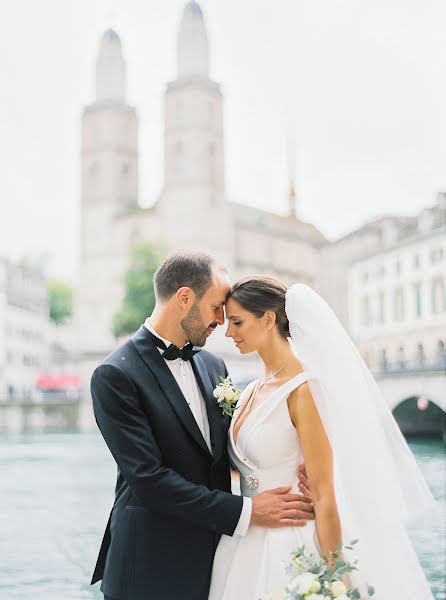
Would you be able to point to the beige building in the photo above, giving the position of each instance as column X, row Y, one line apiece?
column 397, row 296
column 24, row 329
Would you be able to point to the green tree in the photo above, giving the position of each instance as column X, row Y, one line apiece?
column 139, row 297
column 60, row 300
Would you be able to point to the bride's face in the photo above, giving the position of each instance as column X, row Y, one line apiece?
column 248, row 331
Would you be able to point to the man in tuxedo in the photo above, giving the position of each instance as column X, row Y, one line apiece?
column 154, row 404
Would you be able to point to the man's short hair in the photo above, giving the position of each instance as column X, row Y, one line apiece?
column 186, row 268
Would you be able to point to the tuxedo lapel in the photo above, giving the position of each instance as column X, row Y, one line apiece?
column 212, row 408
column 151, row 356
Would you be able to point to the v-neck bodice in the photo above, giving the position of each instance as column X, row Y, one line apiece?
column 267, row 451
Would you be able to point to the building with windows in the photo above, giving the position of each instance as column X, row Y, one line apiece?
column 397, row 296
column 24, row 328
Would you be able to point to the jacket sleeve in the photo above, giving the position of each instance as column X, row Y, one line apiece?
column 129, row 437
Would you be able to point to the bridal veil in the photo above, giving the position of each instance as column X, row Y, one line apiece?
column 379, row 487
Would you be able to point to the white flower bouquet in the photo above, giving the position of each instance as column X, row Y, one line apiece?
column 316, row 579
column 227, row 396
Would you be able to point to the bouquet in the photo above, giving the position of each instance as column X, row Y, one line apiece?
column 316, row 579
column 227, row 396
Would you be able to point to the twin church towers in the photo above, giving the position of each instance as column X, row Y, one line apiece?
column 192, row 210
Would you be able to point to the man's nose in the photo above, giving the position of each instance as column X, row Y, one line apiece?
column 220, row 317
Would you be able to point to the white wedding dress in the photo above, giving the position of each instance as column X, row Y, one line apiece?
column 267, row 455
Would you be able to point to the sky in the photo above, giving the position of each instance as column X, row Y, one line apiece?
column 358, row 87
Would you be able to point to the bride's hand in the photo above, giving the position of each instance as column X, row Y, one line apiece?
column 279, row 508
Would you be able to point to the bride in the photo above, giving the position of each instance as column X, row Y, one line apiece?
column 317, row 404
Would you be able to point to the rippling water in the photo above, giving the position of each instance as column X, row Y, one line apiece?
column 429, row 541
column 57, row 490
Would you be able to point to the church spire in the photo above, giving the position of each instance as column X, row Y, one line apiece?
column 110, row 69
column 192, row 48
column 292, row 200
column 291, row 160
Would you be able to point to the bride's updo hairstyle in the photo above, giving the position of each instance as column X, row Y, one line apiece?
column 259, row 294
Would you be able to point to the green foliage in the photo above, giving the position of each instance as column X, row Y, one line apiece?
column 60, row 300
column 139, row 297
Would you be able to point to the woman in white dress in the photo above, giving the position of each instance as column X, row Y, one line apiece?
column 316, row 404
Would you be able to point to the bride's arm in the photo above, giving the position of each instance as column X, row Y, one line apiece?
column 319, row 467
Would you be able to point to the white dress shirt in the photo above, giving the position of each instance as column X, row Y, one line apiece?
column 185, row 377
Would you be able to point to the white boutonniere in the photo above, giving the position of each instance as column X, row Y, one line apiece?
column 227, row 396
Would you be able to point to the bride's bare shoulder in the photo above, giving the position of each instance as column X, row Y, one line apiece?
column 298, row 398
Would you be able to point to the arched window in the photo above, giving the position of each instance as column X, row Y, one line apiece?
column 383, row 360
column 417, row 290
column 365, row 311
column 441, row 354
column 438, row 295
column 381, row 307
column 420, row 356
column 401, row 358
column 398, row 304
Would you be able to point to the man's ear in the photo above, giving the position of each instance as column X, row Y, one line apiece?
column 185, row 297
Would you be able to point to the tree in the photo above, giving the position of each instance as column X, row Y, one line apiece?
column 139, row 297
column 61, row 301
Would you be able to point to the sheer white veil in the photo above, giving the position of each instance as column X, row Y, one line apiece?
column 379, row 487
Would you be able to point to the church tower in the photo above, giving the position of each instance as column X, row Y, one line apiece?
column 192, row 205
column 109, row 159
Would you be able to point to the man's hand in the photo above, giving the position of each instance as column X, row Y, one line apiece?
column 278, row 508
column 304, row 484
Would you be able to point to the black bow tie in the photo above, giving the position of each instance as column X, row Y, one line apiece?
column 172, row 352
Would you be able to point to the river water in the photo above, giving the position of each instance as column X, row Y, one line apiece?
column 56, row 493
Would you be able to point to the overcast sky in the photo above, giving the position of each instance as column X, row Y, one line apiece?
column 361, row 85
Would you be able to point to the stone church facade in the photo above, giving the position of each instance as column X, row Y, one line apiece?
column 193, row 198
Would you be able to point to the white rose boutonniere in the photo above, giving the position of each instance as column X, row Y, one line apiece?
column 227, row 396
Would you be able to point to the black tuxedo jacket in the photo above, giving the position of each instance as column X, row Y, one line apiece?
column 173, row 497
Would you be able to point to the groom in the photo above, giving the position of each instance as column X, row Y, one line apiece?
column 153, row 402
